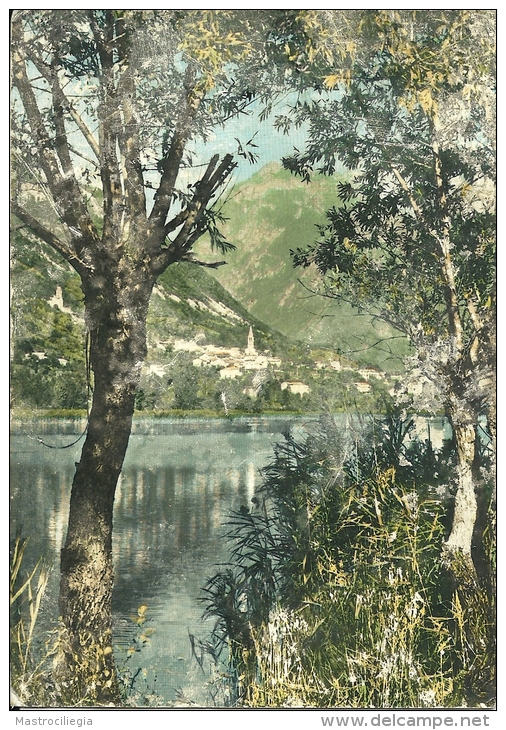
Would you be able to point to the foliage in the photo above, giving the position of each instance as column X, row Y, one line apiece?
column 136, row 689
column 122, row 102
column 335, row 594
column 223, row 59
column 391, row 212
column 413, row 238
column 48, row 359
column 111, row 111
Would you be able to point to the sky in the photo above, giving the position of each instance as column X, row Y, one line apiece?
column 272, row 145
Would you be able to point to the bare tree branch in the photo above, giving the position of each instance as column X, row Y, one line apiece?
column 109, row 118
column 172, row 163
column 204, row 191
column 177, row 221
column 64, row 188
column 447, row 264
column 128, row 138
column 84, row 157
column 87, row 134
column 39, row 230
column 208, row 264
column 404, row 185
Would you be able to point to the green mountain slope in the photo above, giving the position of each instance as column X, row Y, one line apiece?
column 198, row 322
column 267, row 216
column 188, row 303
column 189, row 312
column 200, row 354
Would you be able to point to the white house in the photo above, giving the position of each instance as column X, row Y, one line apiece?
column 230, row 372
column 295, row 386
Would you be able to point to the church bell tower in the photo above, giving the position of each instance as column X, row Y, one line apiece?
column 250, row 349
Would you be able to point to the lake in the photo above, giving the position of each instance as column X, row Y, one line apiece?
column 180, row 481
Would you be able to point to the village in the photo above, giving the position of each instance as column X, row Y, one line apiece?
column 233, row 362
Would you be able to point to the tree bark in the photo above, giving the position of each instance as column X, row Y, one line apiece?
column 465, row 506
column 118, row 266
column 462, row 551
column 116, row 307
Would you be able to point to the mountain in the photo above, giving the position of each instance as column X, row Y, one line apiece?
column 189, row 312
column 189, row 304
column 206, row 351
column 268, row 215
column 307, row 352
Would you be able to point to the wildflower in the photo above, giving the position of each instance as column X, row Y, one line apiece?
column 428, row 698
column 387, row 666
column 412, row 672
column 411, row 502
column 293, row 702
column 412, row 609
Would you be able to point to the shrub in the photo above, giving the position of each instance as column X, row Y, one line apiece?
column 335, row 594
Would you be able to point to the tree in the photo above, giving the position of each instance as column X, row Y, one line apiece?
column 108, row 107
column 414, row 238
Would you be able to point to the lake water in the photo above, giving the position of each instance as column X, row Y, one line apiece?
column 180, row 481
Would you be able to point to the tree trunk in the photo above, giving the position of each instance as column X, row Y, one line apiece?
column 460, row 539
column 86, row 671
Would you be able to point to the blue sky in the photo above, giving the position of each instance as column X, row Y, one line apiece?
column 272, row 145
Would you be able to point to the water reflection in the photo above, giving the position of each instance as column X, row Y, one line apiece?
column 179, row 483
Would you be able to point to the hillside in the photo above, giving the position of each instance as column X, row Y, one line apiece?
column 206, row 351
column 48, row 333
column 315, row 352
column 268, row 215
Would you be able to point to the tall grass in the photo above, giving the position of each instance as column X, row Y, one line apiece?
column 336, row 595
column 29, row 663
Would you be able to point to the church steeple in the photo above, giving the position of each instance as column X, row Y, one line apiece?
column 250, row 349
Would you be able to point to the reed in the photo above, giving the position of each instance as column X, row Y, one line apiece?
column 35, row 680
column 29, row 661
column 336, row 594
